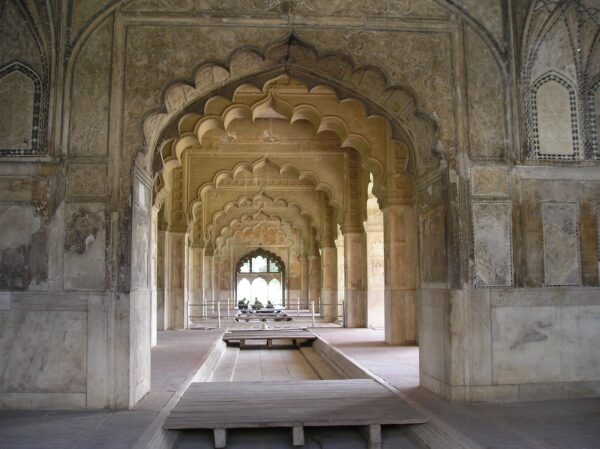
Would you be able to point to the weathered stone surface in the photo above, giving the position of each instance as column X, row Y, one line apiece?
column 555, row 52
column 492, row 243
column 141, row 236
column 85, row 247
column 406, row 8
column 589, row 235
column 84, row 11
column 432, row 235
column 488, row 14
column 421, row 62
column 41, row 358
column 561, row 244
column 18, row 224
column 487, row 122
column 91, row 95
column 152, row 63
column 489, row 180
column 16, row 40
column 86, row 180
column 544, row 344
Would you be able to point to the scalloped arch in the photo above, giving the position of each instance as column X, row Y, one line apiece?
column 247, row 202
column 240, row 225
column 398, row 104
column 286, row 170
column 347, row 119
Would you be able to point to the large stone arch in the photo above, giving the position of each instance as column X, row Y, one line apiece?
column 398, row 104
column 284, row 109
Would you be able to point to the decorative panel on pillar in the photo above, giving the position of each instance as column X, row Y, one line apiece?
column 561, row 244
column 355, row 276
column 492, row 244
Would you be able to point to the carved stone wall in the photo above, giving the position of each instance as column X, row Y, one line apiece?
column 560, row 69
column 562, row 265
column 492, row 244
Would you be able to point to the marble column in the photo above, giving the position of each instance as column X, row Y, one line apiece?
column 161, row 310
column 355, row 276
column 195, row 283
column 174, row 279
column 314, row 284
column 207, row 282
column 341, row 286
column 303, row 282
column 375, row 266
column 400, row 237
column 329, row 283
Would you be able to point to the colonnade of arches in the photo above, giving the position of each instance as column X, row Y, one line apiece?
column 291, row 171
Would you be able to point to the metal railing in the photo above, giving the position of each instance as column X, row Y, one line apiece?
column 227, row 310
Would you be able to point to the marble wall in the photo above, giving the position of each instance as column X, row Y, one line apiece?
column 64, row 365
column 530, row 342
column 510, row 344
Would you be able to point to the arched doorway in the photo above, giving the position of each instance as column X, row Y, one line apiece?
column 260, row 275
column 237, row 191
column 370, row 141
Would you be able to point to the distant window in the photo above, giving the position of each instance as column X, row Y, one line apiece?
column 259, row 264
column 245, row 268
column 274, row 267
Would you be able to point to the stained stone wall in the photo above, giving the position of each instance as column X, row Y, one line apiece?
column 504, row 179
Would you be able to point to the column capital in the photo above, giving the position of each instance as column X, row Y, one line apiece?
column 386, row 202
column 177, row 229
column 355, row 228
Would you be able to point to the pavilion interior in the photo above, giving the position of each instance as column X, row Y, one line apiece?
column 429, row 168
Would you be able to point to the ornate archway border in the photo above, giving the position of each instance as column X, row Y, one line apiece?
column 398, row 104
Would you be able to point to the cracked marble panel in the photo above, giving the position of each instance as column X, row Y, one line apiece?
column 492, row 235
column 40, row 358
column 90, row 101
column 561, row 244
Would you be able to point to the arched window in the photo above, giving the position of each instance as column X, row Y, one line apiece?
column 275, row 291
column 20, row 97
column 260, row 290
column 244, row 289
column 260, row 275
column 554, row 130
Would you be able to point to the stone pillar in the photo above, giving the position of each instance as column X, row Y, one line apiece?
column 400, row 274
column 216, row 285
column 355, row 276
column 174, row 279
column 314, row 284
column 195, row 283
column 303, row 282
column 161, row 270
column 375, row 265
column 207, row 281
column 341, row 284
column 329, row 283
